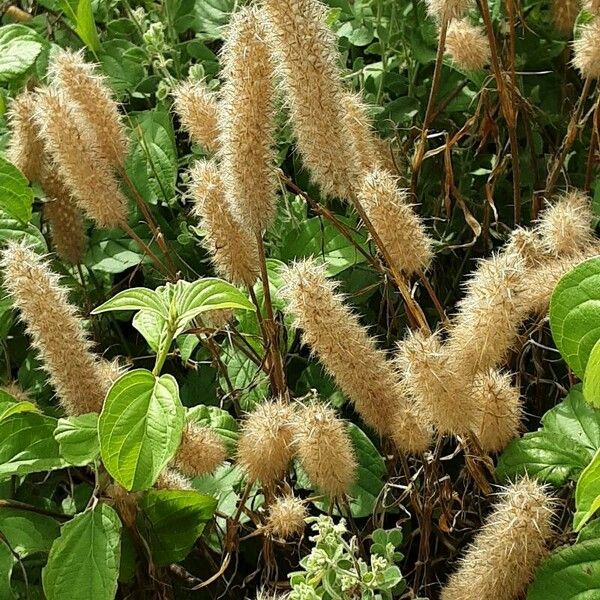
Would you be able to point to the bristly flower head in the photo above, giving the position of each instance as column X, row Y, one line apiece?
column 233, row 247
column 468, row 45
column 197, row 108
column 201, row 451
column 502, row 560
column 592, row 6
column 324, row 449
column 451, row 9
column 55, row 329
column 265, row 444
column 285, row 518
column 247, row 122
column 586, row 50
column 172, row 479
column 335, row 335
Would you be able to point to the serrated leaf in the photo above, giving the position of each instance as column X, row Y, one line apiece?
column 77, row 438
column 575, row 314
column 140, row 427
column 19, row 48
column 174, row 520
column 16, row 197
column 135, row 299
column 84, row 560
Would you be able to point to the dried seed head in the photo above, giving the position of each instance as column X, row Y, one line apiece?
column 324, row 449
column 172, row 479
column 233, row 248
column 264, row 448
column 308, row 65
column 201, row 451
column 217, row 319
column 526, row 244
column 401, row 230
column 247, row 122
column 198, row 110
column 334, row 334
column 286, row 516
column 451, row 9
column 81, row 83
column 125, row 502
column 12, row 388
column 78, row 160
column 592, row 6
column 55, row 329
column 65, row 220
column 505, row 553
column 468, row 45
column 566, row 226
column 564, row 15
column 500, row 410
column 586, row 50
column 25, row 148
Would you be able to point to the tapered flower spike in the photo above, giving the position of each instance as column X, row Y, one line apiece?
column 342, row 344
column 395, row 221
column 25, row 148
column 198, row 111
column 564, row 15
column 232, row 246
column 451, row 9
column 81, row 84
column 285, row 519
column 308, row 66
column 324, row 449
column 55, row 329
column 467, row 45
column 504, row 555
column 265, row 444
column 201, row 451
column 500, row 410
column 78, row 161
column 247, row 122
column 586, row 50
column 565, row 227
column 172, row 479
column 65, row 220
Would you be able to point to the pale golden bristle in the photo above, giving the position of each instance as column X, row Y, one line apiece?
column 125, row 502
column 343, row 346
column 217, row 319
column 55, row 329
column 324, row 448
column 586, row 50
column 197, row 109
column 285, row 518
column 78, row 161
column 12, row 388
column 451, row 9
column 308, row 66
column 201, row 451
column 502, row 560
column 500, row 410
column 172, row 479
column 468, row 45
column 399, row 227
column 82, row 84
column 592, row 6
column 233, row 248
column 265, row 443
column 247, row 122
column 564, row 15
column 25, row 148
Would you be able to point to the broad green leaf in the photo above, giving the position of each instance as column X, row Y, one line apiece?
column 591, row 531
column 135, row 299
column 6, row 316
column 587, row 493
column 84, row 561
column 12, row 406
column 109, row 251
column 86, row 27
column 16, row 197
column 7, row 562
column 569, row 573
column 123, row 62
column 28, row 532
column 77, row 438
column 218, row 420
column 151, row 326
column 27, row 445
column 140, row 427
column 174, row 520
column 246, row 377
column 209, row 17
column 575, row 314
column 591, row 379
column 13, row 229
column 19, row 48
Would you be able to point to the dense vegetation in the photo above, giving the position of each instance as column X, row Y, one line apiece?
column 299, row 299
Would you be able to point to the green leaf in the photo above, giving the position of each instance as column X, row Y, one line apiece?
column 591, row 379
column 575, row 314
column 109, row 251
column 151, row 326
column 218, row 420
column 174, row 520
column 86, row 26
column 27, row 445
column 19, row 48
column 140, row 427
column 13, row 229
column 77, row 438
column 246, row 377
column 16, row 197
column 587, row 493
column 570, row 573
column 135, row 299
column 6, row 316
column 11, row 406
column 84, row 560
